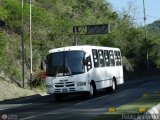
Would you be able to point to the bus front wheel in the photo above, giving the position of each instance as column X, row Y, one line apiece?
column 92, row 90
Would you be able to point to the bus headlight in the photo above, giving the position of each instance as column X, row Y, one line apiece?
column 81, row 83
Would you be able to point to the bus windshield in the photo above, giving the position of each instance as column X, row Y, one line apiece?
column 65, row 63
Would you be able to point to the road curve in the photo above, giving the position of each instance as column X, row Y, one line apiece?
column 77, row 107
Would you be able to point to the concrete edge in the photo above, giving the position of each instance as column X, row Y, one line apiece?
column 152, row 114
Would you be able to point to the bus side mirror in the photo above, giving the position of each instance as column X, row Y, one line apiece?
column 43, row 65
column 84, row 61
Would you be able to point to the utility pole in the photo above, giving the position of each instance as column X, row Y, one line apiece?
column 22, row 44
column 145, row 33
column 30, row 32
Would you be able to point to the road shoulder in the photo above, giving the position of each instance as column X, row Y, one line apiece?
column 148, row 104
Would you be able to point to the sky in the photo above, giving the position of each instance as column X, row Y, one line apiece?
column 152, row 9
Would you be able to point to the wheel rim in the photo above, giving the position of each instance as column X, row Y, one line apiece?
column 91, row 90
column 113, row 85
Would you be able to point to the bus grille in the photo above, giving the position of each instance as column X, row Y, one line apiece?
column 72, row 89
column 69, row 85
column 64, row 84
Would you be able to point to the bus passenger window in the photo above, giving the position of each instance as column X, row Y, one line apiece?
column 101, row 58
column 111, row 55
column 119, row 58
column 107, row 60
column 95, row 58
column 116, row 58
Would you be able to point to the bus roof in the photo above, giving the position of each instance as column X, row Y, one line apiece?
column 80, row 47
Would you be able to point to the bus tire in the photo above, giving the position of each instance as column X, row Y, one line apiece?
column 93, row 90
column 58, row 97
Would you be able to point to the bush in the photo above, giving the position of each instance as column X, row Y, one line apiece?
column 38, row 81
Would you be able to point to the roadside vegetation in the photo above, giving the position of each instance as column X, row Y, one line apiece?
column 52, row 25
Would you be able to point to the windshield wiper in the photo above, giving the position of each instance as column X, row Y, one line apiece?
column 69, row 70
column 58, row 70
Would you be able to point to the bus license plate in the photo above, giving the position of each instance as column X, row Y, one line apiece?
column 64, row 90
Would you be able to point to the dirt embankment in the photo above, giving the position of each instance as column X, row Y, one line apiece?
column 10, row 91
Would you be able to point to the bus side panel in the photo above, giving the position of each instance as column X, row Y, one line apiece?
column 121, row 79
column 101, row 76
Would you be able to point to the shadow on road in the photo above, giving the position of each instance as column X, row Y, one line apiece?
column 50, row 98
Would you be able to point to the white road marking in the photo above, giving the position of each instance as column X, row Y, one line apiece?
column 27, row 117
column 9, row 106
column 147, row 83
column 91, row 100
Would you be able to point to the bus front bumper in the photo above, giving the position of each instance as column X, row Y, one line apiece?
column 65, row 90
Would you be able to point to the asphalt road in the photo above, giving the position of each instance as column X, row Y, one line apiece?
column 77, row 107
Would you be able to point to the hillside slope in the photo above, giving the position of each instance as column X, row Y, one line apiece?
column 10, row 91
column 154, row 27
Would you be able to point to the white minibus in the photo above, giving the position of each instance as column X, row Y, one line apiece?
column 83, row 69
